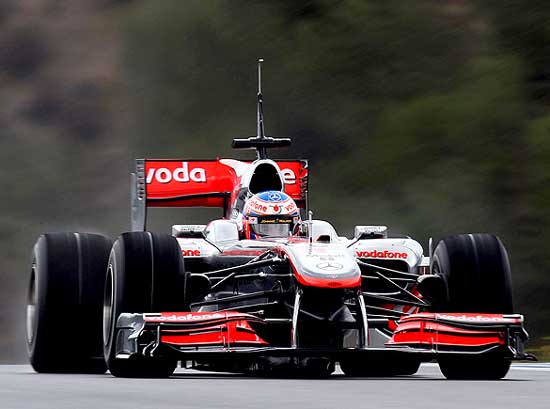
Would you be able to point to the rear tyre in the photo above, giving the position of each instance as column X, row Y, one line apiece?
column 64, row 303
column 476, row 271
column 143, row 275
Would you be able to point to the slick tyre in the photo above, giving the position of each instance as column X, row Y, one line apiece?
column 476, row 271
column 65, row 303
column 144, row 273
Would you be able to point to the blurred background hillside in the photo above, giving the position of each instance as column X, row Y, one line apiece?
column 430, row 116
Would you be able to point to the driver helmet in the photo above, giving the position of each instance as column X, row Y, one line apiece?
column 270, row 214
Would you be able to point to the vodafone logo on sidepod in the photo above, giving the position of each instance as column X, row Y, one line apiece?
column 381, row 254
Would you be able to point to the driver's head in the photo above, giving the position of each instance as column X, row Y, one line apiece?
column 270, row 214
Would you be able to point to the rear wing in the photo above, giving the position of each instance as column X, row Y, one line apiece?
column 202, row 183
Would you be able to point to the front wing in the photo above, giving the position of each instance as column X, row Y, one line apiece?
column 229, row 334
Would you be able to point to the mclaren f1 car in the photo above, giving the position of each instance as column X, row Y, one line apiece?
column 302, row 301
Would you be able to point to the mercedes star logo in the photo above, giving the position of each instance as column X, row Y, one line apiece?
column 274, row 196
column 328, row 266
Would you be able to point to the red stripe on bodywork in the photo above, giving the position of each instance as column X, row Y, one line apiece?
column 244, row 252
column 352, row 282
column 224, row 335
column 452, row 329
column 224, row 329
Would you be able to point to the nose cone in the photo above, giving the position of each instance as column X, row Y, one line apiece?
column 326, row 265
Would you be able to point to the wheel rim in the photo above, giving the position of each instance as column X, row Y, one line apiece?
column 108, row 305
column 31, row 306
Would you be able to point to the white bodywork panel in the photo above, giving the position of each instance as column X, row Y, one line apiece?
column 323, row 260
column 220, row 234
column 196, row 248
column 407, row 250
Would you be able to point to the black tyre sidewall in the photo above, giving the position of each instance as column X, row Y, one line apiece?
column 68, row 272
column 476, row 271
column 146, row 269
column 115, row 273
column 474, row 368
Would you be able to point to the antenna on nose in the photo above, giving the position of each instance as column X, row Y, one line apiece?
column 261, row 142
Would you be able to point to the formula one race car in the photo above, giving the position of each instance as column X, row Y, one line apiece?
column 266, row 289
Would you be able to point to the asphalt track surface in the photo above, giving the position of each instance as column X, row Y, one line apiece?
column 526, row 386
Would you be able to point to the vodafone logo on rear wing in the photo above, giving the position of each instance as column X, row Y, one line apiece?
column 182, row 174
column 186, row 173
column 289, row 176
column 207, row 183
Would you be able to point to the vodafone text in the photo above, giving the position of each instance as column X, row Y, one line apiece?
column 190, row 252
column 464, row 317
column 288, row 176
column 182, row 174
column 185, row 317
column 185, row 174
column 380, row 254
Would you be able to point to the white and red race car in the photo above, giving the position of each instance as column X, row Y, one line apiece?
column 211, row 299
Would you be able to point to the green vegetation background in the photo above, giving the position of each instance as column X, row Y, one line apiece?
column 429, row 116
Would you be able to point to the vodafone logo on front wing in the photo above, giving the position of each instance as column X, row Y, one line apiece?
column 181, row 174
column 478, row 318
column 380, row 254
column 184, row 317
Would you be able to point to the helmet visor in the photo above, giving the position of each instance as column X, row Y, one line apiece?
column 272, row 226
column 271, row 230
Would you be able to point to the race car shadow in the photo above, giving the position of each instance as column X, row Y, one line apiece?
column 279, row 375
column 337, row 376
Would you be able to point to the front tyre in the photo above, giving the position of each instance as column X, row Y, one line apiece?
column 144, row 274
column 476, row 271
column 474, row 368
